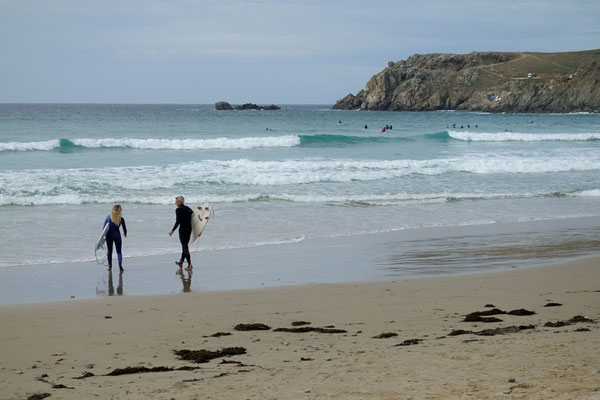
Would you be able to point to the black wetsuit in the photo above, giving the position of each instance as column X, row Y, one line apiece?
column 184, row 221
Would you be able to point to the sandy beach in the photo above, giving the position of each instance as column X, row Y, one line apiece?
column 424, row 349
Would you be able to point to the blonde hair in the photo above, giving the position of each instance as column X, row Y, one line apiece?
column 115, row 214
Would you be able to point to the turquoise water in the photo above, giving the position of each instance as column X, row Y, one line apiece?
column 279, row 176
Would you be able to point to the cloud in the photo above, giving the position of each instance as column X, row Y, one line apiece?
column 140, row 50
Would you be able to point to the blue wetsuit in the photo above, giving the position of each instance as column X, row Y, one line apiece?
column 114, row 236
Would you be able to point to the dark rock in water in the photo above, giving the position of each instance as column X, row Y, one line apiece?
column 385, row 335
column 521, row 312
column 223, row 105
column 271, row 107
column 39, row 396
column 300, row 323
column 203, row 356
column 252, row 106
column 305, row 329
column 305, row 359
column 409, row 342
column 553, row 305
column 252, row 327
column 350, row 102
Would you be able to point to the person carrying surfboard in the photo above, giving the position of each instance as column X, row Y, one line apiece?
column 183, row 220
column 113, row 236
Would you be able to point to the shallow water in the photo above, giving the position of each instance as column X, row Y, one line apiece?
column 305, row 172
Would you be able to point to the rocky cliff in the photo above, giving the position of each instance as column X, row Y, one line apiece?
column 492, row 82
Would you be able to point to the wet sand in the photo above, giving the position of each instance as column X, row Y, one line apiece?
column 398, row 339
column 433, row 251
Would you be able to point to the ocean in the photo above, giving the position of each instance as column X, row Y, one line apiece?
column 305, row 172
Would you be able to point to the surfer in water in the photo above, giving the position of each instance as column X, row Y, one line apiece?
column 184, row 221
column 113, row 236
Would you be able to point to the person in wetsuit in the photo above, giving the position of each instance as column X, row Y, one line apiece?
column 113, row 236
column 183, row 220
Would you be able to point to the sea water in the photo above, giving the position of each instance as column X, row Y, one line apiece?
column 273, row 177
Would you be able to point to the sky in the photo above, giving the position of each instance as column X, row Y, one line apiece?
column 281, row 52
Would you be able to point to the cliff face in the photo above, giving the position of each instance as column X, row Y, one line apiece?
column 492, row 82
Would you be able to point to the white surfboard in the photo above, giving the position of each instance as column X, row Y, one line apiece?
column 101, row 258
column 200, row 218
column 102, row 239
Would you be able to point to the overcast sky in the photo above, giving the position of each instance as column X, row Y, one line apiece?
column 282, row 52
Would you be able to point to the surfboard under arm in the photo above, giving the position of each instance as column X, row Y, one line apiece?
column 102, row 239
column 200, row 218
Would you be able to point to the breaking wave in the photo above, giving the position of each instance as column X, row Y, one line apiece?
column 519, row 137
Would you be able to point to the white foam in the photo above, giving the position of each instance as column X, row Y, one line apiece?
column 521, row 137
column 587, row 193
column 191, row 144
column 156, row 184
column 160, row 144
column 30, row 146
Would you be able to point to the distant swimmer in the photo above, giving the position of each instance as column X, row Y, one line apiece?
column 461, row 127
column 184, row 221
column 340, row 121
column 476, row 126
column 468, row 126
column 383, row 130
column 454, row 125
column 391, row 127
column 366, row 127
column 113, row 236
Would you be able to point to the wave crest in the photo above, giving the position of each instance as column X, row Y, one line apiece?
column 154, row 144
column 520, row 137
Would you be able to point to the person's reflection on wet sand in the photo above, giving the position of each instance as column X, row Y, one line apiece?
column 187, row 282
column 111, row 288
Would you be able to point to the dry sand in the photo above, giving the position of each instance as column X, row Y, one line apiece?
column 48, row 344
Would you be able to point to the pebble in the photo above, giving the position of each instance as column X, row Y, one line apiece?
column 507, row 392
column 512, row 380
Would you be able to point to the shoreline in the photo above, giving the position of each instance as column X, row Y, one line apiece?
column 419, row 359
column 434, row 251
